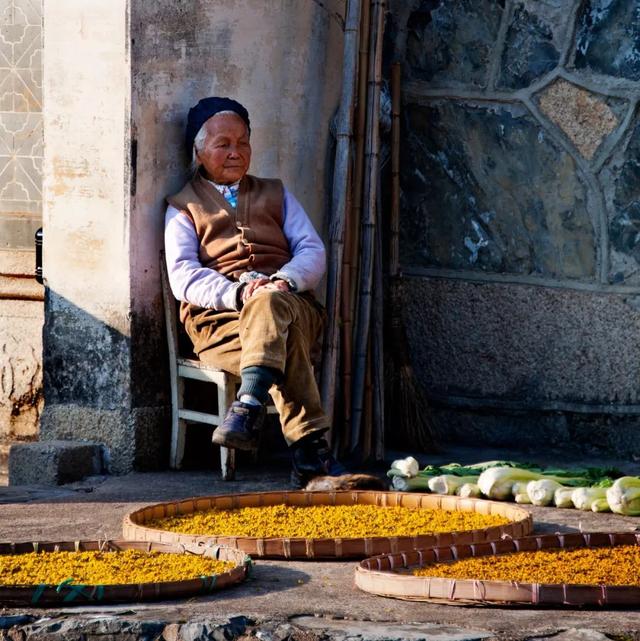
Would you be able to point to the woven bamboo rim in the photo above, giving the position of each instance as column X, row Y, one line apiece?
column 386, row 575
column 69, row 594
column 343, row 548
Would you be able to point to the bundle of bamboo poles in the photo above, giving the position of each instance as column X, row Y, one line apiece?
column 353, row 364
column 353, row 376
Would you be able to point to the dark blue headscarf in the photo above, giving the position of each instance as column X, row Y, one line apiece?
column 208, row 107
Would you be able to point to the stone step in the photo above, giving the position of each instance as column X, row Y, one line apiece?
column 54, row 462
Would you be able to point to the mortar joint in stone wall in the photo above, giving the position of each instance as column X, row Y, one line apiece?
column 496, row 57
column 533, row 406
column 604, row 85
column 571, row 27
column 495, row 278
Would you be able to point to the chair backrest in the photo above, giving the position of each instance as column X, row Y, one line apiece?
column 170, row 316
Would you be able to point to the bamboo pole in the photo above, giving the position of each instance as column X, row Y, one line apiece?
column 361, row 123
column 349, row 265
column 377, row 353
column 346, row 329
column 366, row 441
column 368, row 220
column 344, row 132
column 394, row 222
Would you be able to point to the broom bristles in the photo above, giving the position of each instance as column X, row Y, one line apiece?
column 411, row 409
column 407, row 401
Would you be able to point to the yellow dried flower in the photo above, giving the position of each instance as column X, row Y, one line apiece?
column 591, row 566
column 325, row 521
column 105, row 568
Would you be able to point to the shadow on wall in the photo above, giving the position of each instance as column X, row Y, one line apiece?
column 106, row 381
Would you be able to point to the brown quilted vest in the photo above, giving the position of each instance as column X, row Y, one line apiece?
column 234, row 241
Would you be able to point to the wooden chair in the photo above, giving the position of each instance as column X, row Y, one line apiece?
column 189, row 368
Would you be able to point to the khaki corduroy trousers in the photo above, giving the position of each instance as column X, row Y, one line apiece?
column 274, row 329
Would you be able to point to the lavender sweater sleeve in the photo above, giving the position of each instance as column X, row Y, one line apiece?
column 308, row 256
column 204, row 287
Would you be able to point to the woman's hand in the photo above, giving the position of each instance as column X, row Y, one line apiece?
column 258, row 285
column 252, row 286
column 280, row 285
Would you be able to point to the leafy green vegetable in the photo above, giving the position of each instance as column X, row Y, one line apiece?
column 584, row 497
column 468, row 490
column 474, row 469
column 413, row 484
column 624, row 496
column 448, row 483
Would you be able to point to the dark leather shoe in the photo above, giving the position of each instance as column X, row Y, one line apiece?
column 240, row 426
column 311, row 457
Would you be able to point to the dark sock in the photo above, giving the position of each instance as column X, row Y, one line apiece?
column 315, row 440
column 256, row 381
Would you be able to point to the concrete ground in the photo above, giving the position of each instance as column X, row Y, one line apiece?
column 282, row 600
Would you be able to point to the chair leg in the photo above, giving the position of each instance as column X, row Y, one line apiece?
column 226, row 396
column 178, row 425
column 255, row 451
column 228, row 463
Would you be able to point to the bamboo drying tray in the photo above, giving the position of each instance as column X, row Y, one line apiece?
column 343, row 548
column 388, row 575
column 75, row 594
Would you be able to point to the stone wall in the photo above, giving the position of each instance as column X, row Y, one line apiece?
column 520, row 237
column 21, row 312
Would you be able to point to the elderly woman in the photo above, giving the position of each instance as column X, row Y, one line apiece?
column 243, row 259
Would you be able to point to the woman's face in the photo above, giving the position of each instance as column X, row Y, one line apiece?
column 226, row 153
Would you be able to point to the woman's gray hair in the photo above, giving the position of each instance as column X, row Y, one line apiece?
column 199, row 142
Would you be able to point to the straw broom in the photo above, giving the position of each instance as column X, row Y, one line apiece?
column 408, row 400
column 344, row 131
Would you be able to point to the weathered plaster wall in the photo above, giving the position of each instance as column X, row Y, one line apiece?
column 119, row 79
column 21, row 397
column 86, row 226
column 21, row 309
column 520, row 219
column 20, row 363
